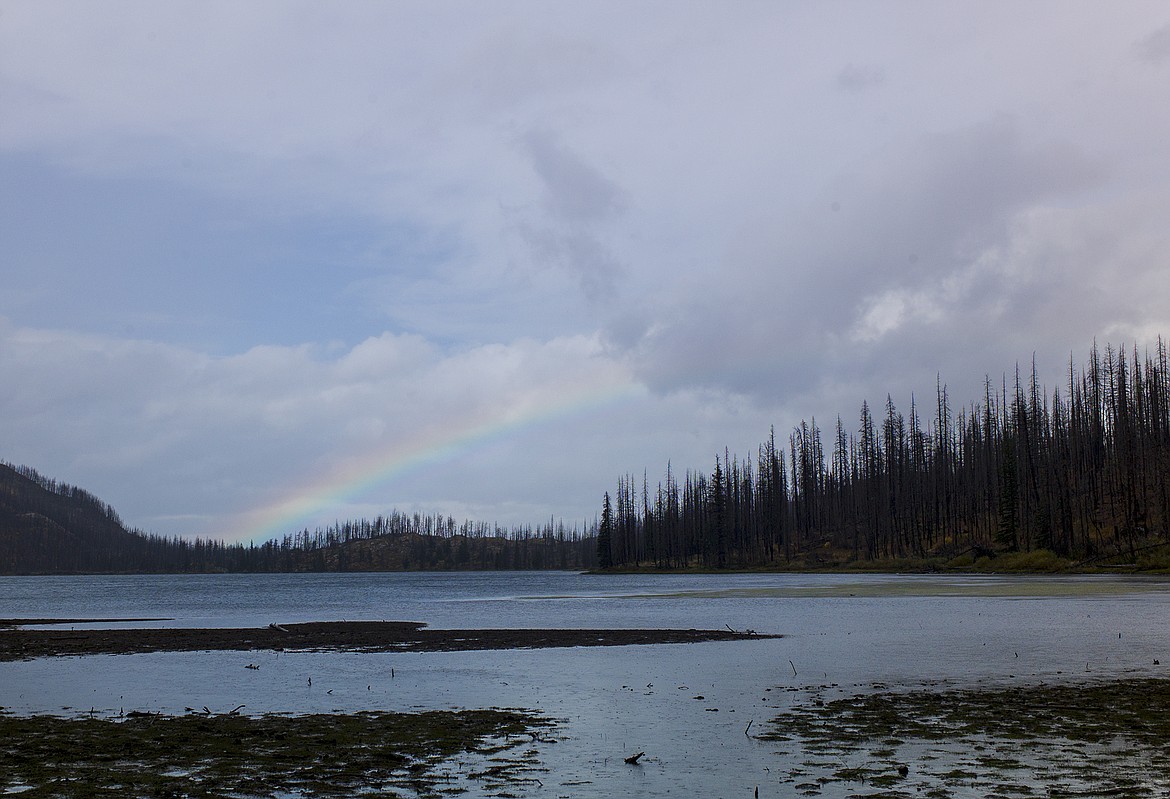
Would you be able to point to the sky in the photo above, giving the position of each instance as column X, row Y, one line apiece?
column 268, row 265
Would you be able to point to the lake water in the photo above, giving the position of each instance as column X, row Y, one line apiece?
column 843, row 634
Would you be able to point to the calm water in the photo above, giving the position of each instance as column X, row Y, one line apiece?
column 844, row 632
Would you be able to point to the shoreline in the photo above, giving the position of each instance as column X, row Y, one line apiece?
column 1146, row 560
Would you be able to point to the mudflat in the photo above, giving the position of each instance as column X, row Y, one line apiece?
column 429, row 754
column 21, row 643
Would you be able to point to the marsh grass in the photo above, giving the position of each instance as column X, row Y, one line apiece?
column 417, row 754
column 1069, row 740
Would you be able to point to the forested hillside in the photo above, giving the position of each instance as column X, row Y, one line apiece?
column 1083, row 471
column 49, row 527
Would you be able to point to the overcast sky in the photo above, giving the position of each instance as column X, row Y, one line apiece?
column 266, row 265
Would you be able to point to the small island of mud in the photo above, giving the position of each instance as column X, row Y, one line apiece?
column 20, row 643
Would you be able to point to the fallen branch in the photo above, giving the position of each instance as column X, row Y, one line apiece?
column 633, row 759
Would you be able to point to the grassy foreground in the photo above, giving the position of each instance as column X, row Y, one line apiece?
column 395, row 754
column 1092, row 739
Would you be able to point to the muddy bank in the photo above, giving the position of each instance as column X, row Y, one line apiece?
column 354, row 636
column 40, row 622
column 1076, row 739
column 423, row 754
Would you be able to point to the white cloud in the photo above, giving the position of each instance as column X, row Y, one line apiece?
column 204, row 439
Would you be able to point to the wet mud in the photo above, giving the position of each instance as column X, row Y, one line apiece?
column 21, row 643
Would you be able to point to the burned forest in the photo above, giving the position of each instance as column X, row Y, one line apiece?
column 1081, row 472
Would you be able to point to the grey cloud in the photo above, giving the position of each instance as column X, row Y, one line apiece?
column 931, row 203
column 571, row 227
column 507, row 66
column 574, row 191
column 1155, row 47
column 856, row 79
column 927, row 228
column 594, row 267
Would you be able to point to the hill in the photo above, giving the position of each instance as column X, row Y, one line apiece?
column 49, row 527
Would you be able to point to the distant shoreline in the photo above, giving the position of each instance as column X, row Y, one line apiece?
column 1150, row 559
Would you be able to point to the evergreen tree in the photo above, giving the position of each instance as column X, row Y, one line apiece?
column 605, row 536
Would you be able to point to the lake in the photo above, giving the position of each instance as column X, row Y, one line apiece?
column 686, row 706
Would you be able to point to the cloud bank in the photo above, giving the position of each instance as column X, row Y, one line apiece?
column 248, row 248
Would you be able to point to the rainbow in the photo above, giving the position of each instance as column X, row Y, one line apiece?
column 409, row 455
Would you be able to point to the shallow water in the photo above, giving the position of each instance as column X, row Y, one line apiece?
column 842, row 634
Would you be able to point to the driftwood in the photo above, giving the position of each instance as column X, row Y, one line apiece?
column 633, row 759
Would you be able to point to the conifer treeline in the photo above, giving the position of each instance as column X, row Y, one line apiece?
column 1083, row 471
column 401, row 542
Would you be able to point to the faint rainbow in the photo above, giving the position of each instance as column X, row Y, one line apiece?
column 407, row 455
